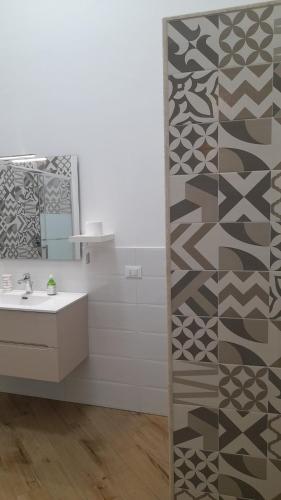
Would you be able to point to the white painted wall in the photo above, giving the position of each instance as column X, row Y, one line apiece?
column 85, row 77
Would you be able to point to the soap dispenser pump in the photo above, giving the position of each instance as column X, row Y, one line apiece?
column 51, row 286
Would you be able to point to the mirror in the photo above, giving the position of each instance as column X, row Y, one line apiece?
column 39, row 207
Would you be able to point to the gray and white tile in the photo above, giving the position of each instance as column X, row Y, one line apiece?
column 194, row 198
column 245, row 92
column 193, row 148
column 243, row 294
column 244, row 197
column 246, row 36
column 193, row 97
column 194, row 293
column 193, row 44
column 196, row 427
column 195, row 383
column 195, row 339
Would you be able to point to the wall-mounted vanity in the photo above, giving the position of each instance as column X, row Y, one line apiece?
column 42, row 337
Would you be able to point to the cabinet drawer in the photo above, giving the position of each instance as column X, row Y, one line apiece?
column 40, row 363
column 28, row 328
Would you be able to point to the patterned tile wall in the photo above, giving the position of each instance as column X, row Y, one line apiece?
column 224, row 183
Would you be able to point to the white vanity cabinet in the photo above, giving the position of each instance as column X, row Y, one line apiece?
column 45, row 341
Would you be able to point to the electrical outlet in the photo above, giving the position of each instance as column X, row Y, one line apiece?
column 133, row 272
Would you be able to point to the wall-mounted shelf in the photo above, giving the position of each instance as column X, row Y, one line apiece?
column 84, row 238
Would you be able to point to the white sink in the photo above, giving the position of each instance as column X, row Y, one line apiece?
column 37, row 301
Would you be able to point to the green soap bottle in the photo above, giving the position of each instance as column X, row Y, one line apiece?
column 51, row 286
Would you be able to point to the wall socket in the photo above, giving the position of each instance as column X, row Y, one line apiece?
column 133, row 272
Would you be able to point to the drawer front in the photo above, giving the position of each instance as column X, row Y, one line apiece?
column 40, row 363
column 29, row 328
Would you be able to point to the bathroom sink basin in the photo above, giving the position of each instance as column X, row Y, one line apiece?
column 17, row 299
column 37, row 301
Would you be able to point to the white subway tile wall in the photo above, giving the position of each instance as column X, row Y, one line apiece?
column 127, row 367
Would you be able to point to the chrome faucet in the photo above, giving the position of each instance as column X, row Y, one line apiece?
column 27, row 282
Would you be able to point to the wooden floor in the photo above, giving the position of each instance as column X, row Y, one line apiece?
column 63, row 451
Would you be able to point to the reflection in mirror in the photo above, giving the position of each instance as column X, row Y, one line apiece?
column 39, row 207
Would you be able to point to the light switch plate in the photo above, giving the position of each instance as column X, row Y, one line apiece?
column 133, row 272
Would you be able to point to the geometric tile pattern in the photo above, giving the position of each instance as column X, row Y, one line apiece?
column 195, row 383
column 223, row 104
column 274, row 390
column 274, row 436
column 194, row 198
column 243, row 294
column 243, row 433
column 19, row 213
column 275, row 296
column 245, row 92
column 193, row 44
column 244, row 197
column 243, row 388
column 242, row 476
column 195, row 339
column 246, row 37
column 244, row 246
column 196, row 427
column 193, row 97
column 193, row 148
column 181, row 494
column 195, row 293
column 196, row 470
column 194, row 246
column 244, row 145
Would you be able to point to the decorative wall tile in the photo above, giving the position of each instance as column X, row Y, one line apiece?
column 275, row 296
column 193, row 148
column 246, row 36
column 195, row 293
column 274, row 344
column 274, row 390
column 225, row 248
column 243, row 433
column 193, row 44
column 19, row 214
column 243, row 294
column 195, row 383
column 277, row 90
column 194, row 246
column 181, row 494
column 196, row 470
column 244, row 246
column 245, row 145
column 193, row 97
column 196, row 427
column 243, row 477
column 243, row 341
column 275, row 249
column 57, row 196
column 275, row 150
column 274, row 436
column 274, row 485
column 59, row 165
column 244, row 197
column 194, row 198
column 275, row 196
column 277, row 32
column 250, row 342
column 243, row 388
column 245, row 92
column 195, row 339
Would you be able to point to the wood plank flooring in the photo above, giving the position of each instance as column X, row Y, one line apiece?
column 64, row 451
